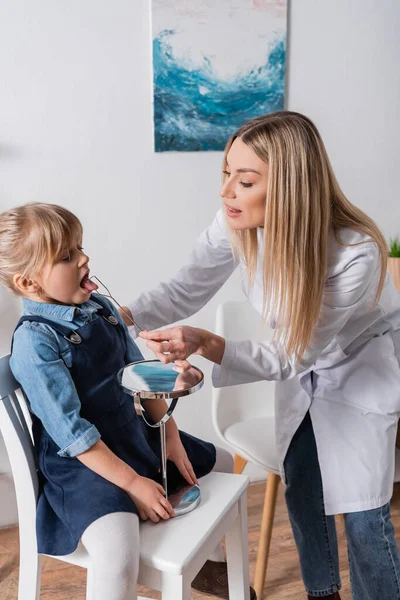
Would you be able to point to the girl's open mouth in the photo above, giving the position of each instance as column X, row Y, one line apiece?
column 88, row 285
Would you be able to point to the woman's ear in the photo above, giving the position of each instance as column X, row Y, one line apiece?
column 25, row 285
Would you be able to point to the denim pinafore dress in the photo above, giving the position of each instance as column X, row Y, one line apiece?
column 72, row 496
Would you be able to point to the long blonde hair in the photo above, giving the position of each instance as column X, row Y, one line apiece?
column 33, row 235
column 303, row 203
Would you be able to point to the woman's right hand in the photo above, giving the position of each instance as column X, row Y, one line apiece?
column 149, row 497
column 178, row 343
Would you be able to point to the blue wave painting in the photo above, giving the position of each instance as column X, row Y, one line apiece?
column 195, row 109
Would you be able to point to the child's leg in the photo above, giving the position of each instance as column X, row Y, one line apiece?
column 113, row 545
column 373, row 555
column 224, row 461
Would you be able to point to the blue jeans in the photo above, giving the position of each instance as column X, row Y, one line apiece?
column 373, row 553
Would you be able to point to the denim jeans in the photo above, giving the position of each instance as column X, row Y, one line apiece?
column 373, row 553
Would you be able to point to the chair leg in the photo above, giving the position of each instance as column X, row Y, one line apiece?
column 89, row 584
column 271, row 491
column 239, row 464
column 175, row 587
column 30, row 570
column 237, row 555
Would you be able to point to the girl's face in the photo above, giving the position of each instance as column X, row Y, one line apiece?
column 244, row 190
column 66, row 281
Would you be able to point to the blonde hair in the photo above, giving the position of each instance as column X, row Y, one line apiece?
column 32, row 236
column 303, row 203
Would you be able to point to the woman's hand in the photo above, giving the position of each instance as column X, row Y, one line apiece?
column 177, row 454
column 178, row 343
column 149, row 497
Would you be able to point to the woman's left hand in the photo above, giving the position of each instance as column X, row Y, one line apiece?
column 178, row 342
column 177, row 454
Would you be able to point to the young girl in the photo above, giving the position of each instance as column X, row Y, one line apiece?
column 99, row 464
column 314, row 265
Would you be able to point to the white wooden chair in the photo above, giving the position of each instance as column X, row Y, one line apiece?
column 171, row 553
column 243, row 416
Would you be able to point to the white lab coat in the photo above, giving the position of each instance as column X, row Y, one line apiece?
column 354, row 401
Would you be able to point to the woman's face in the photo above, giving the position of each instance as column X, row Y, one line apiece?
column 244, row 190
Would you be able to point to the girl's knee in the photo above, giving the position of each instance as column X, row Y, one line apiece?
column 122, row 566
column 224, row 461
column 113, row 542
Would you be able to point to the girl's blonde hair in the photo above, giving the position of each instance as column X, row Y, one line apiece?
column 303, row 203
column 32, row 236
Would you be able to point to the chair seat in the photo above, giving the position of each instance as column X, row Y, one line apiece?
column 219, row 492
column 254, row 440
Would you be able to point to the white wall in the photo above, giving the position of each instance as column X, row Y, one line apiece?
column 344, row 73
column 76, row 129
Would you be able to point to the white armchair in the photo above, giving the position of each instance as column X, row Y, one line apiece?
column 243, row 417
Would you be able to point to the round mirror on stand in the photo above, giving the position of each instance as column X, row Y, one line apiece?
column 152, row 380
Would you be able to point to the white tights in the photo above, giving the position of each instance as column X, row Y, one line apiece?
column 112, row 543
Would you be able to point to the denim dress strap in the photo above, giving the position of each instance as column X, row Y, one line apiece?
column 69, row 334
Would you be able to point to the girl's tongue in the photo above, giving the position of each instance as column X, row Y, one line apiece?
column 88, row 285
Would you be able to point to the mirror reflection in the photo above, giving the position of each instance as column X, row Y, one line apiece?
column 153, row 377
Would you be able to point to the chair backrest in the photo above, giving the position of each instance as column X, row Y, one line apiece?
column 239, row 321
column 15, row 427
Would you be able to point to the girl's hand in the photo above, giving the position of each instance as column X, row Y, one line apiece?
column 150, row 500
column 178, row 342
column 177, row 454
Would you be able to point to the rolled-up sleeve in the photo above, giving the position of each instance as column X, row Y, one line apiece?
column 83, row 443
column 39, row 368
column 351, row 289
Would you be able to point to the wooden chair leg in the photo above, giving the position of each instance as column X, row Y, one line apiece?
column 239, row 464
column 271, row 491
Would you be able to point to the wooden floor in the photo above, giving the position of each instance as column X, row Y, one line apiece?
column 64, row 582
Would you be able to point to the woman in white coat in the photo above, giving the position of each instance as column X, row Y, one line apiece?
column 314, row 266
